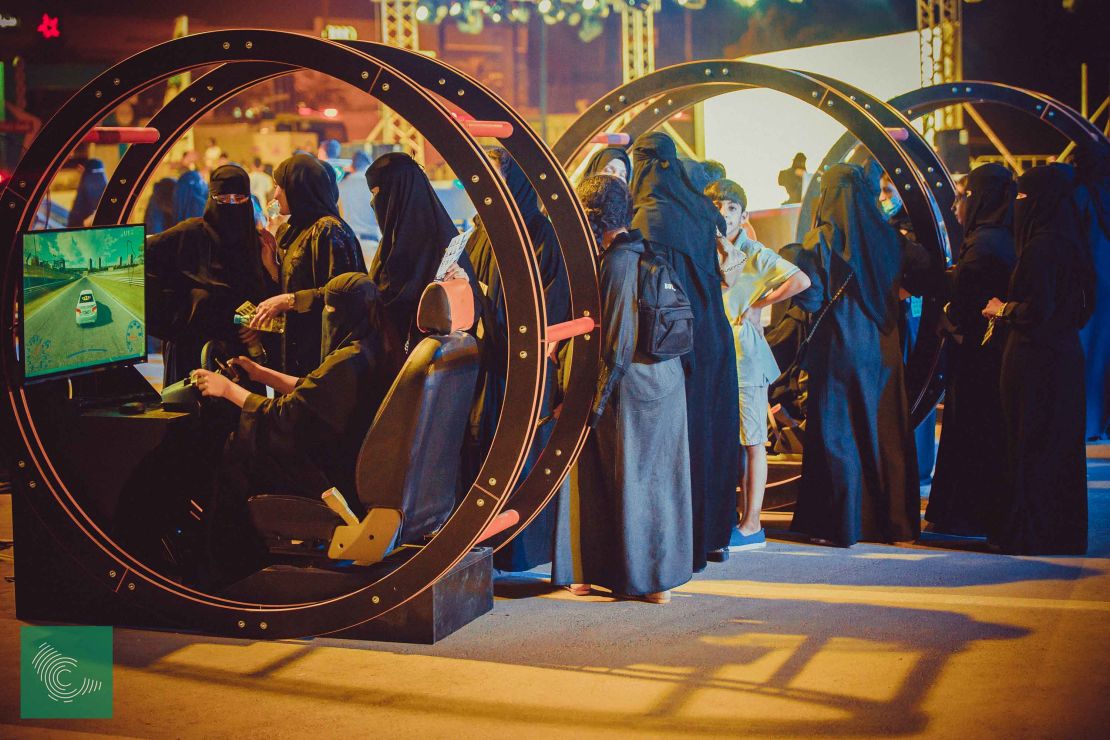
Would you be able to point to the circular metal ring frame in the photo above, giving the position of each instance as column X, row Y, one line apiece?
column 916, row 170
column 913, row 105
column 378, row 71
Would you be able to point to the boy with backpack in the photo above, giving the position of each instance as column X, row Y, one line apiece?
column 753, row 277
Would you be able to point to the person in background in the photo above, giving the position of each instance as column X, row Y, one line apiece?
column 212, row 154
column 714, row 170
column 90, row 187
column 329, row 152
column 190, row 197
column 858, row 472
column 1043, row 508
column 532, row 547
column 794, row 179
column 416, row 230
column 680, row 225
column 354, row 197
column 1092, row 161
column 307, row 437
column 612, row 160
column 262, row 184
column 753, row 277
column 159, row 209
column 971, row 463
column 315, row 245
column 629, row 522
column 200, row 271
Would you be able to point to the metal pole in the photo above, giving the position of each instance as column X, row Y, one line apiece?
column 1083, row 89
column 543, row 79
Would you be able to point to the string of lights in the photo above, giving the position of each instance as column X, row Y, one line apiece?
column 471, row 15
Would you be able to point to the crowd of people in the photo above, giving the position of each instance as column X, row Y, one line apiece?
column 673, row 475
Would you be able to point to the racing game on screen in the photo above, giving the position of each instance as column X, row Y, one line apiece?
column 83, row 299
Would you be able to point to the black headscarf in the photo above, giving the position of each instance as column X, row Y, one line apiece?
column 350, row 311
column 89, row 189
column 847, row 220
column 666, row 207
column 598, row 161
column 990, row 200
column 1046, row 208
column 230, row 223
column 415, row 228
column 1047, row 217
column 311, row 190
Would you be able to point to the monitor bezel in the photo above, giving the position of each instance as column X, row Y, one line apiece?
column 81, row 371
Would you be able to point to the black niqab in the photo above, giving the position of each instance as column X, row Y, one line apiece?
column 231, row 223
column 990, row 198
column 309, row 189
column 848, row 221
column 667, row 209
column 596, row 165
column 350, row 303
column 414, row 224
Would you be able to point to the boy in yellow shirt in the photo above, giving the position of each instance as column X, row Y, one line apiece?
column 752, row 278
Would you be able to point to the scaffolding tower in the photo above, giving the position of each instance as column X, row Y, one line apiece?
column 940, row 40
column 401, row 29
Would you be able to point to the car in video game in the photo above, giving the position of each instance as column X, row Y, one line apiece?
column 86, row 308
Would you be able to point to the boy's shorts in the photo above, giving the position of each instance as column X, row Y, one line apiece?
column 753, row 415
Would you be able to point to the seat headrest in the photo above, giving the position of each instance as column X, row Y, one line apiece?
column 446, row 307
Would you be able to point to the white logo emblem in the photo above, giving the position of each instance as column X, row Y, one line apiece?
column 54, row 671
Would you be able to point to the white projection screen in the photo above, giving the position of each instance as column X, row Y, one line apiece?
column 755, row 133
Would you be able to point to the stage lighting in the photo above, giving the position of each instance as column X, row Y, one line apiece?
column 455, row 9
column 589, row 4
column 544, row 6
column 423, row 13
column 747, row 3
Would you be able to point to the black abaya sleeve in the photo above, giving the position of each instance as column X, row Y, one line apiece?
column 335, row 251
column 810, row 262
column 977, row 277
column 317, row 409
column 619, row 321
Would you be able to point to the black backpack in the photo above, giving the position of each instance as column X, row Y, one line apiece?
column 666, row 319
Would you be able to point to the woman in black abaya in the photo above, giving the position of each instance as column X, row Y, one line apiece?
column 971, row 461
column 416, row 230
column 533, row 546
column 159, row 209
column 612, row 160
column 680, row 225
column 859, row 471
column 200, row 271
column 306, row 439
column 1043, row 509
column 315, row 246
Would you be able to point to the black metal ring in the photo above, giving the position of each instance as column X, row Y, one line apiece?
column 670, row 90
column 48, row 495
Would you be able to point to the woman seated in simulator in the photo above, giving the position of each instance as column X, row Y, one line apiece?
column 306, row 439
column 629, row 526
column 315, row 246
column 416, row 230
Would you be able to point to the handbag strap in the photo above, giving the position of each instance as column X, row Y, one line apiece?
column 817, row 322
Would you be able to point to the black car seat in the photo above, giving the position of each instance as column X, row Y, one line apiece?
column 408, row 464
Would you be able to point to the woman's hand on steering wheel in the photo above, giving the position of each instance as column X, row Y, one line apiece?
column 247, row 366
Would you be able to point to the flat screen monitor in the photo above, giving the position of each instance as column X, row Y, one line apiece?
column 83, row 300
